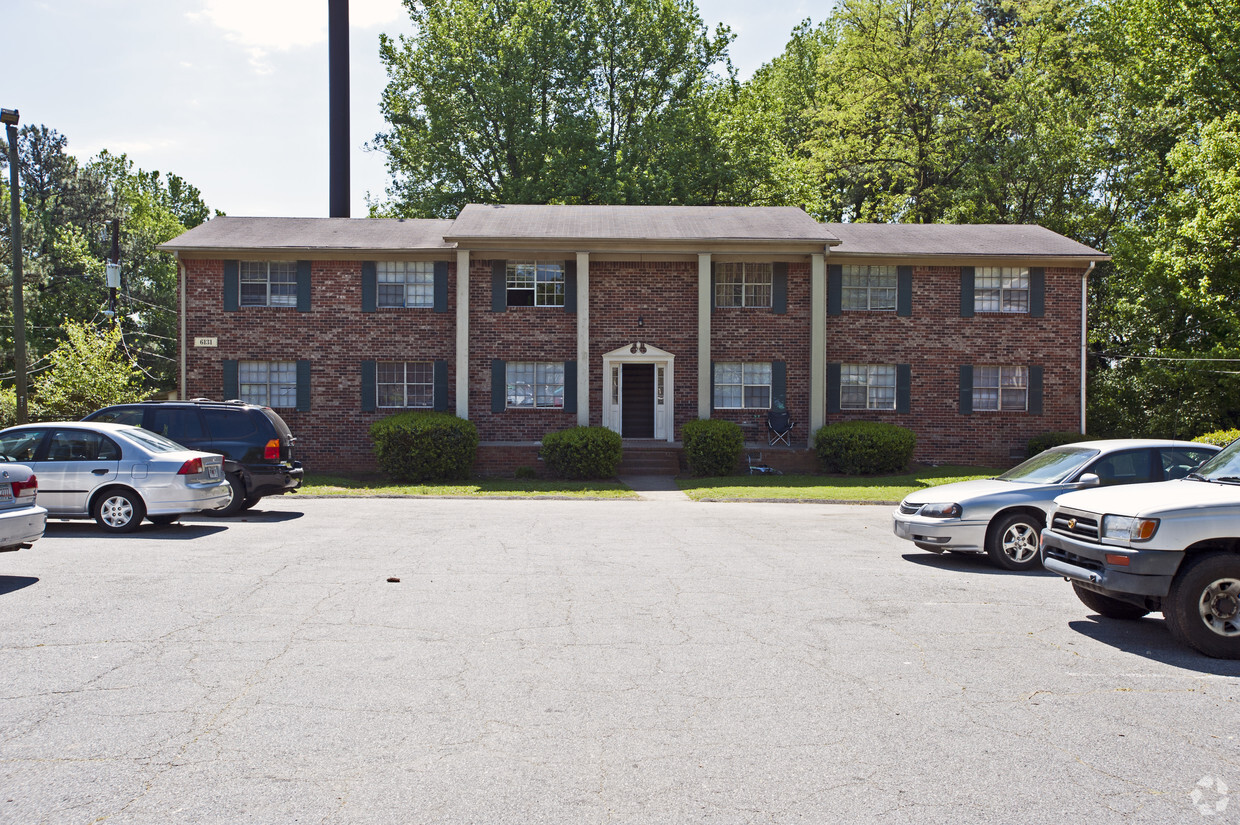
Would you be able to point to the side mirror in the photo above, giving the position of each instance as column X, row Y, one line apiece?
column 1089, row 480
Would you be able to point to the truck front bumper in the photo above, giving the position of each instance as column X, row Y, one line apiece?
column 1101, row 567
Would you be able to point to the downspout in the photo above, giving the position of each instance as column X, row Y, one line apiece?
column 1084, row 340
column 180, row 266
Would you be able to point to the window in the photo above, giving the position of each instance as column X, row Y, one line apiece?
column 535, row 284
column 405, row 383
column 867, row 387
column 268, row 383
column 743, row 386
column 868, row 288
column 535, row 384
column 1178, row 462
column 406, row 284
column 743, row 285
column 268, row 283
column 81, row 445
column 1001, row 388
column 21, row 445
column 1000, row 289
column 1128, row 467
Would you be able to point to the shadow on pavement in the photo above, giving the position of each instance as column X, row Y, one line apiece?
column 1150, row 639
column 8, row 584
column 258, row 516
column 972, row 563
column 146, row 532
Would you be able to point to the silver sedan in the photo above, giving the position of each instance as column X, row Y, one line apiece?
column 21, row 519
column 115, row 473
column 1003, row 516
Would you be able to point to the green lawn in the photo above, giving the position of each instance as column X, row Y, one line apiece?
column 326, row 485
column 871, row 489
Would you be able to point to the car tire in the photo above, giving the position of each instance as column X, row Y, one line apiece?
column 1012, row 542
column 162, row 520
column 250, row 502
column 118, row 510
column 1107, row 606
column 1202, row 608
column 236, row 503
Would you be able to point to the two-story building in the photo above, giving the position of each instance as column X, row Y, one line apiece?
column 531, row 319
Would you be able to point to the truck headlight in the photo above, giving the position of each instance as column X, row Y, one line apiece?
column 941, row 510
column 1129, row 528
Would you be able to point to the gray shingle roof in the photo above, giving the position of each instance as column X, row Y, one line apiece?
column 956, row 240
column 359, row 234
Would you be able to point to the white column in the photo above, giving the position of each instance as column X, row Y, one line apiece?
column 817, row 346
column 462, row 333
column 705, row 402
column 583, row 339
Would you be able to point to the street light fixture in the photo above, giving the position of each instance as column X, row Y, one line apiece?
column 9, row 118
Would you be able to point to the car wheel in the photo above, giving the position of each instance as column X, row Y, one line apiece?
column 237, row 501
column 161, row 520
column 119, row 511
column 250, row 502
column 1107, row 606
column 1013, row 542
column 1203, row 607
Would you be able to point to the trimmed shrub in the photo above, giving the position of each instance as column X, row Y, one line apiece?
column 1219, row 438
column 420, row 446
column 1043, row 442
column 864, row 447
column 582, row 452
column 712, row 447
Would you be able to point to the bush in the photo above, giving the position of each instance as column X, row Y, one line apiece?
column 582, row 452
column 1042, row 443
column 8, row 408
column 712, row 447
column 1219, row 438
column 864, row 447
column 420, row 446
column 525, row 473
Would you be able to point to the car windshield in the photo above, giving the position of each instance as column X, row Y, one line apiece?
column 1051, row 467
column 154, row 442
column 1221, row 466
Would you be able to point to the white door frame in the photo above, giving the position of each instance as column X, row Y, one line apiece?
column 613, row 388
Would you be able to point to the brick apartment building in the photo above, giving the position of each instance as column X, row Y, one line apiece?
column 532, row 319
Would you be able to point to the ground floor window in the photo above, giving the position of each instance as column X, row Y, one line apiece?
column 405, row 383
column 867, row 387
column 743, row 386
column 1001, row 388
column 268, row 383
column 533, row 384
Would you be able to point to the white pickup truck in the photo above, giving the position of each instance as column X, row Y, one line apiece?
column 1171, row 546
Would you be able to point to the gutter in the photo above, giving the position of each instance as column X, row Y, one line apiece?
column 1084, row 340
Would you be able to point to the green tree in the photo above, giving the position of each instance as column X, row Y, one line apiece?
column 89, row 370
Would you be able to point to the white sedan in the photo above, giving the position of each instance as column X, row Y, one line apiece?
column 21, row 519
column 115, row 473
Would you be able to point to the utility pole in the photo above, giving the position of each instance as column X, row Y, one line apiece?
column 10, row 117
column 113, row 269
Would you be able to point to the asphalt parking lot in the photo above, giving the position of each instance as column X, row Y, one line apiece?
column 584, row 662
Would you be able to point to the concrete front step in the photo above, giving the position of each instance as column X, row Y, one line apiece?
column 650, row 462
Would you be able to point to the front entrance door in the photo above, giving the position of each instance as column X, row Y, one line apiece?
column 637, row 406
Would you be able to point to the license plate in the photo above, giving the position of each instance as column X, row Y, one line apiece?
column 213, row 471
column 6, row 494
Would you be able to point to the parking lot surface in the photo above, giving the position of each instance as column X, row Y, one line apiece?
column 584, row 662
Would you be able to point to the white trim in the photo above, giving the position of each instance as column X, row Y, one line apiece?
column 462, row 333
column 640, row 352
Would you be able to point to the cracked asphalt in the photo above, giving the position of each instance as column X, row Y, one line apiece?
column 584, row 662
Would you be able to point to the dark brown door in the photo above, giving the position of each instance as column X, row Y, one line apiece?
column 637, row 416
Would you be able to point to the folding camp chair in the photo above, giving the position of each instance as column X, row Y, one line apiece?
column 779, row 427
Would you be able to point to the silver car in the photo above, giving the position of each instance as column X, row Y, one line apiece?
column 115, row 473
column 1003, row 516
column 21, row 519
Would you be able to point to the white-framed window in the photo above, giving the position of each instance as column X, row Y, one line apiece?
column 268, row 283
column 1000, row 289
column 740, row 386
column 535, row 283
column 406, row 283
column 1001, row 388
column 535, row 384
column 268, row 383
column 743, row 284
column 405, row 383
column 868, row 288
column 867, row 387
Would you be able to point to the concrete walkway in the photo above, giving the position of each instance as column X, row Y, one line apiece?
column 655, row 488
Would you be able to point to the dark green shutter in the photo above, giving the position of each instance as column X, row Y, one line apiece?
column 303, row 286
column 570, row 286
column 835, row 289
column 1035, row 390
column 369, row 397
column 1037, row 291
column 231, row 388
column 904, row 387
column 441, row 286
column 303, row 386
column 499, row 387
column 499, row 286
column 232, row 286
column 966, row 389
column 779, row 385
column 833, row 388
column 966, row 296
column 904, row 291
column 441, row 385
column 370, row 286
column 570, row 386
column 779, row 289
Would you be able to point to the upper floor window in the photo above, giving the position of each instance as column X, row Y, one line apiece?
column 268, row 383
column 868, row 288
column 535, row 384
column 535, row 283
column 743, row 284
column 743, row 386
column 867, row 387
column 406, row 283
column 268, row 283
column 1000, row 289
column 405, row 383
column 1001, row 388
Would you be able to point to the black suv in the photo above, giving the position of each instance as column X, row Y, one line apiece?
column 256, row 443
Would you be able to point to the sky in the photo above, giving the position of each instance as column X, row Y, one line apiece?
column 232, row 95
